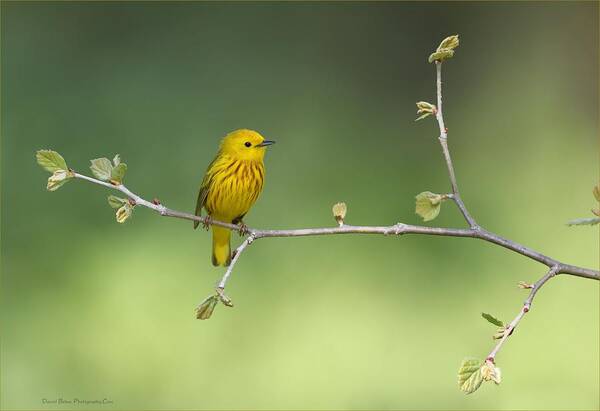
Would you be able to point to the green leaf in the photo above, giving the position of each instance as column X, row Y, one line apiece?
column 492, row 319
column 101, row 168
column 118, row 172
column 428, row 205
column 469, row 375
column 206, row 307
column 117, row 160
column 585, row 221
column 116, row 202
column 50, row 160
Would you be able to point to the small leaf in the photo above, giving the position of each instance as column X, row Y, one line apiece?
column 116, row 160
column 50, row 160
column 584, row 221
column 450, row 42
column 596, row 192
column 469, row 375
column 116, row 202
column 124, row 212
column 428, row 205
column 424, row 106
column 206, row 307
column 57, row 179
column 101, row 168
column 422, row 116
column 492, row 319
column 118, row 173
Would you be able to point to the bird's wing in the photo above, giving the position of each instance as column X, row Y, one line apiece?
column 203, row 194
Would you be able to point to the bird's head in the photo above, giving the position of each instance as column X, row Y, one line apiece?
column 244, row 144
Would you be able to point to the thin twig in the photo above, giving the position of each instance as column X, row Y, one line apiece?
column 524, row 310
column 443, row 138
column 237, row 253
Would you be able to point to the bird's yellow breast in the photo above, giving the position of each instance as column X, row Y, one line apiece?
column 234, row 187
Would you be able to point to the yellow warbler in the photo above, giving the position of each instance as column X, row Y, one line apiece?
column 231, row 185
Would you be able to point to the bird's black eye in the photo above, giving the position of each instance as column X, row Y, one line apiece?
column 247, row 144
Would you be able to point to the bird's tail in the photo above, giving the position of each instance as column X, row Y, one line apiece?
column 221, row 252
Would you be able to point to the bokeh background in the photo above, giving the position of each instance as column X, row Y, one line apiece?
column 92, row 309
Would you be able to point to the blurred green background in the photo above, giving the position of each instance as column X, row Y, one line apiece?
column 92, row 309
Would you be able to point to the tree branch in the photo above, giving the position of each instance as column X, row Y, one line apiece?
column 471, row 373
column 396, row 229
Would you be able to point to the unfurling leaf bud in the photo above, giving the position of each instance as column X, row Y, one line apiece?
column 445, row 50
column 596, row 192
column 425, row 109
column 428, row 204
column 489, row 372
column 206, row 307
column 500, row 332
column 57, row 179
column 524, row 285
column 339, row 212
column 124, row 212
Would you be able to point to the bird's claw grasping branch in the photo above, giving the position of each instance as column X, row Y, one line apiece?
column 473, row 372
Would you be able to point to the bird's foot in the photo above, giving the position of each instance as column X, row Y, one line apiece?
column 243, row 229
column 207, row 222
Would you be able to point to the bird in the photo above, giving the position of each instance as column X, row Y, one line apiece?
column 230, row 187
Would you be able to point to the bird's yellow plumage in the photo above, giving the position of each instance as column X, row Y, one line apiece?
column 231, row 185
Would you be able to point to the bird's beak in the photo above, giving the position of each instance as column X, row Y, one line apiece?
column 265, row 143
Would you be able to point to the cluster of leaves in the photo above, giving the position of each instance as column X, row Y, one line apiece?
column 102, row 168
column 445, row 50
column 54, row 163
column 595, row 211
column 473, row 372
